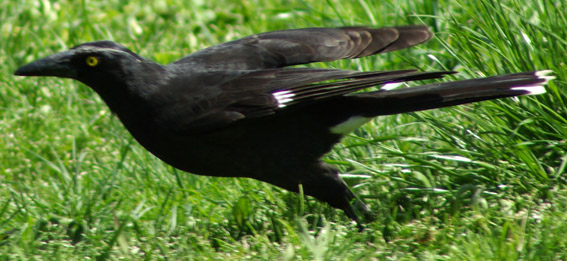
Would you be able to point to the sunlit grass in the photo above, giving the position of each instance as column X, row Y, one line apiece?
column 482, row 181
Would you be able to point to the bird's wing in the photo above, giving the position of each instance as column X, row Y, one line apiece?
column 235, row 96
column 300, row 46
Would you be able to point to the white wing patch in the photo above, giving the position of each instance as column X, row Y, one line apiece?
column 283, row 97
column 349, row 125
column 391, row 86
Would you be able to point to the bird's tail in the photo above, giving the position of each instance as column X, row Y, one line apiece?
column 454, row 93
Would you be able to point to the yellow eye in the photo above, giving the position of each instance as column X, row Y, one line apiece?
column 92, row 61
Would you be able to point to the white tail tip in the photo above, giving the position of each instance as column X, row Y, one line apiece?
column 539, row 87
column 543, row 74
column 531, row 90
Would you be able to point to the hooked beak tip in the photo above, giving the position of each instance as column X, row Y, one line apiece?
column 57, row 65
column 21, row 72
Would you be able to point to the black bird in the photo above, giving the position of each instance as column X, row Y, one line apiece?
column 233, row 110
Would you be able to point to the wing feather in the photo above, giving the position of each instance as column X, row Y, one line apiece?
column 300, row 46
column 241, row 96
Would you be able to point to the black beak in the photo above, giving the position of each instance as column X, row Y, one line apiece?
column 58, row 65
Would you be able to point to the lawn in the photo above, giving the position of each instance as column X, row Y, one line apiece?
column 480, row 181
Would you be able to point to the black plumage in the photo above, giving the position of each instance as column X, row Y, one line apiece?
column 233, row 110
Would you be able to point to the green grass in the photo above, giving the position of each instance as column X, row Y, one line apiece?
column 74, row 184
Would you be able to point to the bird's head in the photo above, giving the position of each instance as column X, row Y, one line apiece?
column 85, row 62
column 112, row 70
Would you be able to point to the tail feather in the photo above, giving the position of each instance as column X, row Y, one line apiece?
column 454, row 93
